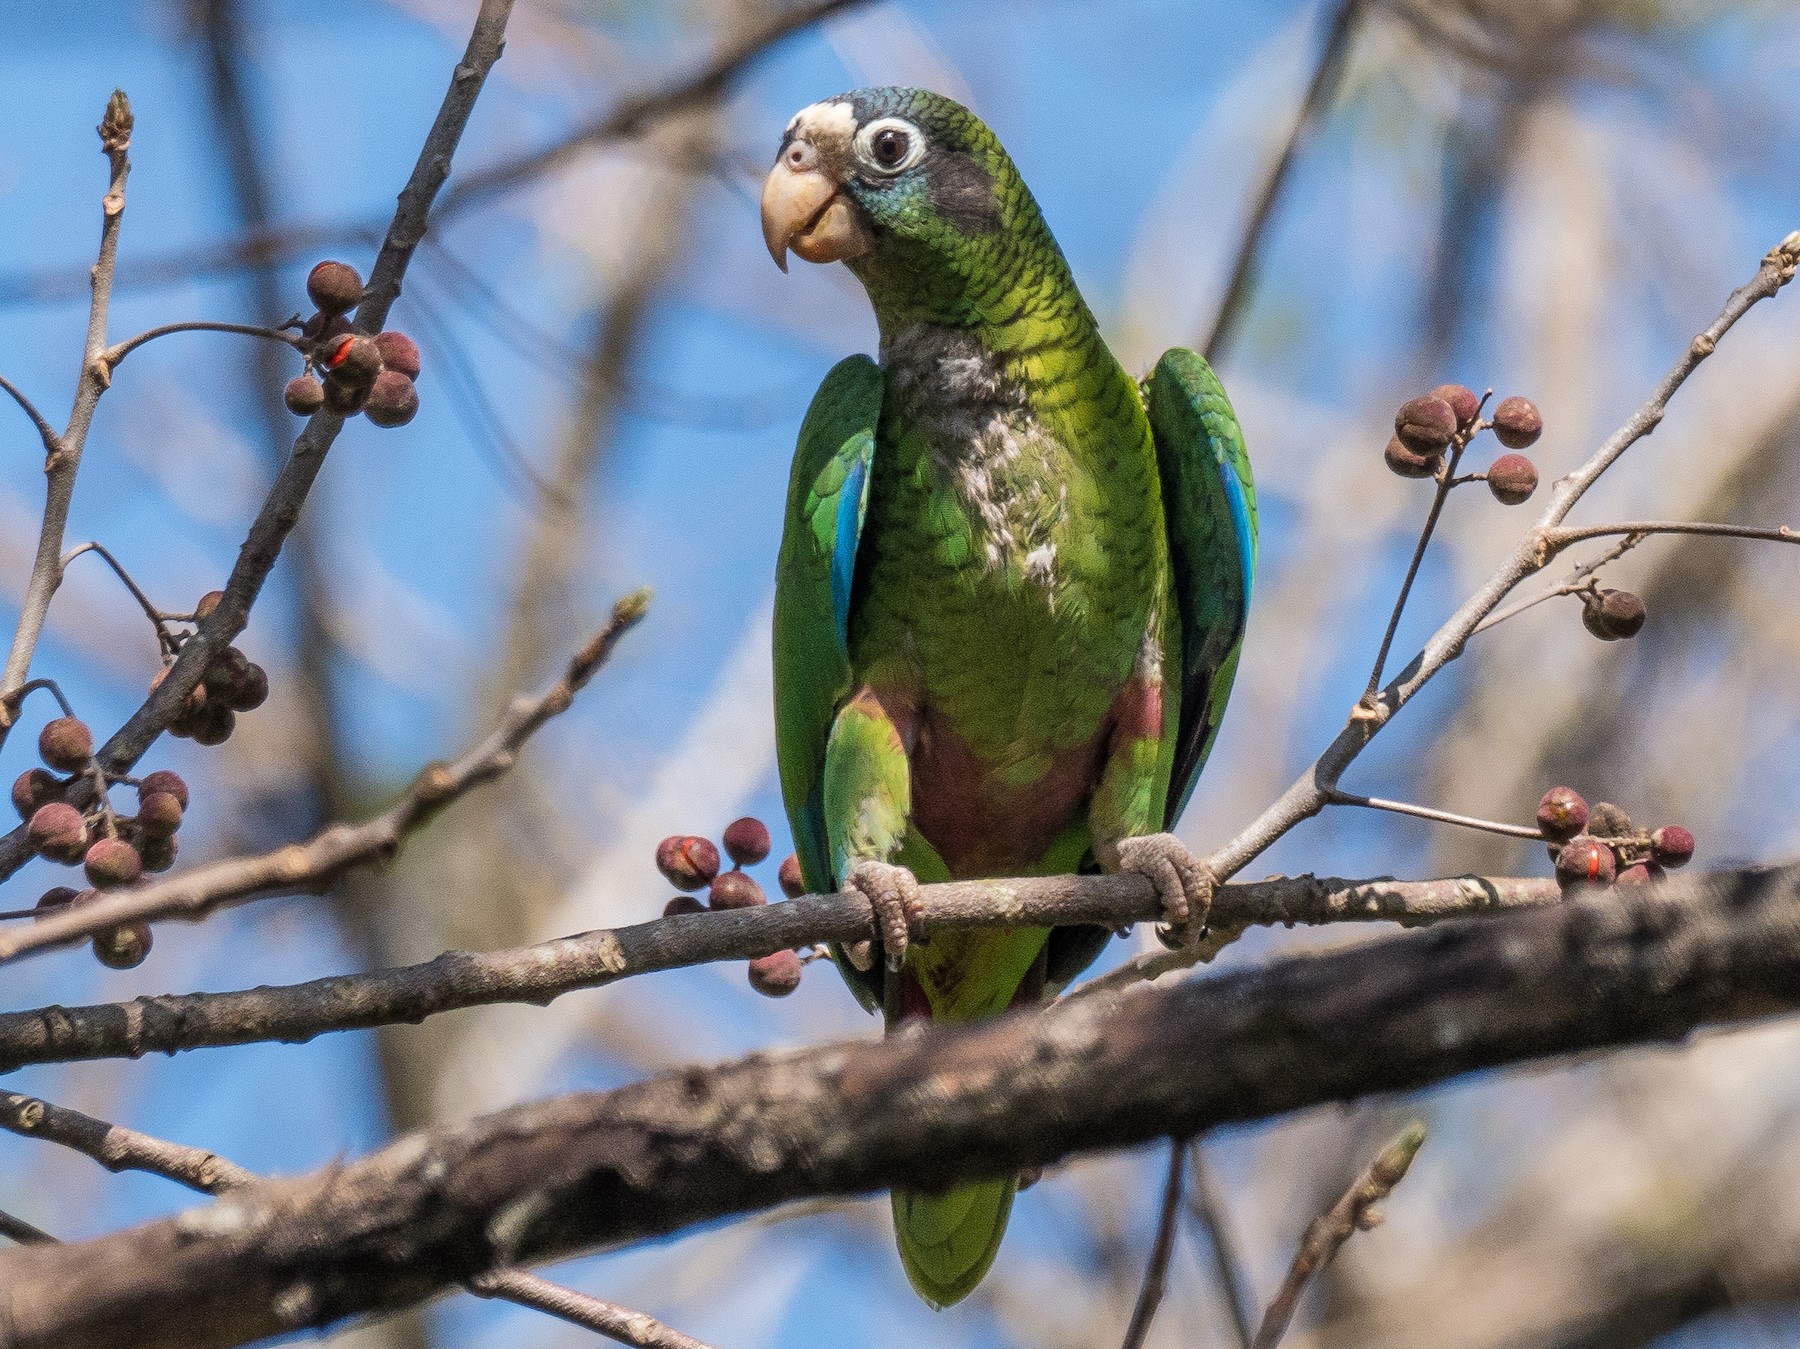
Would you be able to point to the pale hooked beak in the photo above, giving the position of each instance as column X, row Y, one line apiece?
column 803, row 209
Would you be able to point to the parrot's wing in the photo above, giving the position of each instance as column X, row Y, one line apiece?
column 827, row 494
column 1209, row 506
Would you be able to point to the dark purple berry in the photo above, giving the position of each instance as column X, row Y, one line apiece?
column 1517, row 423
column 56, row 898
column 121, row 948
column 159, row 814
column 1605, row 820
column 793, row 884
column 392, row 400
column 66, row 743
column 325, row 325
column 1672, row 846
column 335, row 287
column 683, row 904
column 1639, row 873
column 33, row 788
column 747, row 841
column 736, row 890
column 158, row 851
column 1425, row 425
column 162, row 780
column 304, row 395
column 353, row 359
column 687, row 862
column 214, row 725
column 777, row 974
column 399, row 352
column 1512, row 478
column 1562, row 814
column 58, row 832
column 344, row 398
column 1461, row 401
column 1407, row 464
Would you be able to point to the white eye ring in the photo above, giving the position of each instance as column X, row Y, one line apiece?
column 865, row 145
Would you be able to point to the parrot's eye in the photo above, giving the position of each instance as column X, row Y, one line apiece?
column 890, row 145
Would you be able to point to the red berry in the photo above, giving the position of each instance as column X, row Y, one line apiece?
column 1585, row 861
column 1640, row 873
column 777, row 974
column 1403, row 461
column 1462, row 401
column 58, row 832
column 334, row 287
column 1512, row 478
column 736, row 890
column 353, row 359
column 162, row 780
column 66, row 743
column 33, row 788
column 683, row 904
column 793, row 884
column 1517, row 423
column 112, row 861
column 1562, row 814
column 687, row 862
column 747, row 841
column 1425, row 425
column 399, row 352
column 159, row 814
column 1672, row 846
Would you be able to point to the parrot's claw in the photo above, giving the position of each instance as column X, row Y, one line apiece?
column 893, row 892
column 1183, row 883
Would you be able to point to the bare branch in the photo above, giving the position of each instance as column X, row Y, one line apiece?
column 1156, row 1271
column 111, row 357
column 17, row 1229
column 118, row 1148
column 310, row 865
column 596, row 1314
column 46, row 432
column 1208, row 1214
column 1558, row 539
column 155, row 615
column 543, row 971
column 928, row 1109
column 281, row 508
column 1334, row 1227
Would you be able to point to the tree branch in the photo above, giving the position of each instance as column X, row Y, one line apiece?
column 46, row 432
column 922, row 1110
column 538, row 973
column 1156, row 1271
column 336, row 849
column 596, row 1314
column 281, row 508
column 118, row 1148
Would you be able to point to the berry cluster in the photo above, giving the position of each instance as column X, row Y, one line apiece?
column 231, row 683
column 690, row 863
column 113, row 850
column 371, row 375
column 1599, row 846
column 1426, row 429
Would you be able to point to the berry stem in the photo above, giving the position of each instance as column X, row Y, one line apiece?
column 1340, row 798
column 46, row 431
column 111, row 357
column 1445, row 481
column 156, row 616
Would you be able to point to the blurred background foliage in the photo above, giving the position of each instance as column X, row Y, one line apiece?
column 1548, row 196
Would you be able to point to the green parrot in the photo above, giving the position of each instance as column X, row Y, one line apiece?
column 1011, row 593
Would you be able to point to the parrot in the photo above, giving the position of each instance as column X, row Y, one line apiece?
column 1011, row 590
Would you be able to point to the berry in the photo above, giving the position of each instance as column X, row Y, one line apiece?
column 1512, row 478
column 777, row 974
column 162, row 780
column 335, row 287
column 1425, row 425
column 214, row 724
column 1612, row 615
column 345, row 399
column 252, row 691
column 112, row 861
column 159, row 814
column 683, row 904
column 1562, row 814
column 687, row 862
column 1585, row 861
column 736, row 890
column 1407, row 464
column 66, row 743
column 793, row 884
column 235, row 680
column 1517, row 423
column 58, row 832
column 1605, row 820
column 210, row 601
column 1640, row 873
column 1462, row 402
column 120, row 948
column 747, row 841
column 325, row 325
column 304, row 395
column 158, row 851
column 57, row 897
column 1672, row 846
column 399, row 352
column 354, row 359
column 392, row 401
column 33, row 788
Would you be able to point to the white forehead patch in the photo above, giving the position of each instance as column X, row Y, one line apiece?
column 830, row 123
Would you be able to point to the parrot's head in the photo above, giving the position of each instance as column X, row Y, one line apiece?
column 908, row 188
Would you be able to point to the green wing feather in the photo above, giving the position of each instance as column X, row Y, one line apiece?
column 1209, row 509
column 827, row 496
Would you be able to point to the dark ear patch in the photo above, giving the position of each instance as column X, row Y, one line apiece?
column 962, row 192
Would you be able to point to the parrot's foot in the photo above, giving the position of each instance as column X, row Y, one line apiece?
column 893, row 892
column 1183, row 882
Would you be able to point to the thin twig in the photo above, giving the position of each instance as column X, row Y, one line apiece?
column 1331, row 1229
column 17, row 1229
column 46, row 432
column 1320, row 91
column 287, row 494
column 1581, row 579
column 156, row 616
column 1558, row 539
column 1337, row 797
column 543, row 971
column 309, row 865
column 1208, row 1212
column 118, row 1148
column 596, row 1314
column 63, row 458
column 111, row 357
column 1156, row 1272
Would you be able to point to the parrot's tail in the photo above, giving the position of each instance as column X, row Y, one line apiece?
column 947, row 1241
